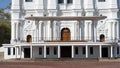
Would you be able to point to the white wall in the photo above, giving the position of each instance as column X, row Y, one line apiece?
column 80, row 51
column 36, row 52
column 32, row 8
column 51, row 53
column 94, row 55
column 6, row 56
column 95, row 52
column 1, row 49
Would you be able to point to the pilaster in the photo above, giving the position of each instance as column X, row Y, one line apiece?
column 113, row 4
column 52, row 4
column 16, row 4
column 111, row 51
column 86, row 48
column 39, row 4
column 100, row 51
column 44, row 51
column 77, row 4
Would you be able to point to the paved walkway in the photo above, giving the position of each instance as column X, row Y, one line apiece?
column 60, row 64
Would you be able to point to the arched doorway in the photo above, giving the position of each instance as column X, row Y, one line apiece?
column 65, row 34
column 29, row 38
column 102, row 38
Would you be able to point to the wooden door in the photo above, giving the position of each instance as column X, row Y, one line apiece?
column 26, row 52
column 29, row 38
column 65, row 34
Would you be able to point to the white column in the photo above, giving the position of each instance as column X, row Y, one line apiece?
column 89, row 4
column 44, row 51
column 52, row 4
column 100, row 51
column 12, row 32
column 82, row 30
column 114, row 31
column 52, row 30
column 15, row 52
column 117, row 30
column 115, row 51
column 89, row 31
column 94, row 30
column 22, row 31
column 86, row 51
column 17, row 31
column 49, row 31
column 15, row 28
column 16, row 4
column 40, row 30
column 111, row 51
column 39, row 4
column 65, row 2
column 77, row 4
column 112, row 4
column 37, row 29
column 58, row 51
column 31, row 52
column 72, row 51
column 78, row 30
column 20, row 52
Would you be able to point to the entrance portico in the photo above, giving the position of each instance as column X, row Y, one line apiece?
column 71, row 50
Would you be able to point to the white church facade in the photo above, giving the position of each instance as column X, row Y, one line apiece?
column 64, row 29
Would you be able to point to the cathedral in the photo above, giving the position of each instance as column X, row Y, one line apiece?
column 64, row 29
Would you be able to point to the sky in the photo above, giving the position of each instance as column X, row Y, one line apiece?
column 4, row 3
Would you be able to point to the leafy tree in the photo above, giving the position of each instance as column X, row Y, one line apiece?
column 4, row 33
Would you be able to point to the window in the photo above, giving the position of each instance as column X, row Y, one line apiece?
column 48, row 51
column 40, row 51
column 55, row 50
column 76, row 50
column 83, row 51
column 117, row 50
column 101, row 0
column 13, row 51
column 9, row 51
column 60, row 1
column 28, row 0
column 69, row 1
column 91, row 50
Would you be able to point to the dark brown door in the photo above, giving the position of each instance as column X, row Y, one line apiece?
column 26, row 52
column 104, row 52
column 29, row 38
column 65, row 34
column 65, row 51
